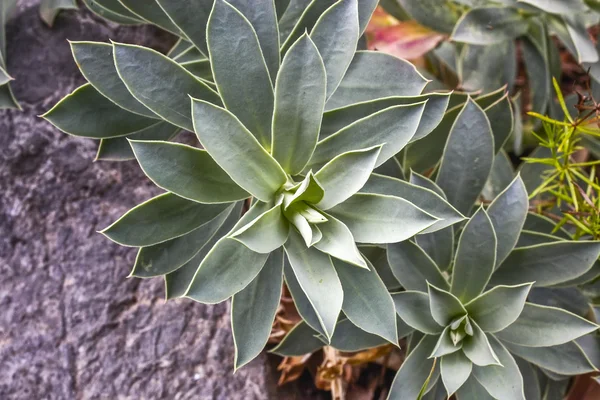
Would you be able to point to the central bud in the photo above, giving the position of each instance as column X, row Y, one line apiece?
column 459, row 329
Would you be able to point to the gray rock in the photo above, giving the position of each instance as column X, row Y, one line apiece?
column 72, row 326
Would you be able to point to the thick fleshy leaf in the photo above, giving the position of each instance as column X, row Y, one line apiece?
column 393, row 127
column 478, row 348
column 436, row 106
column 485, row 68
column 345, row 175
column 472, row 390
column 49, row 9
column 348, row 337
column 414, row 309
column 119, row 149
column 160, row 84
column 238, row 152
column 503, row 382
column 499, row 307
column 426, row 12
column 338, row 242
column 541, row 326
column 507, row 213
column 583, row 46
column 247, row 92
column 191, row 17
column 87, row 113
column 531, row 381
column 227, row 269
column 558, row 6
column 150, row 11
column 376, row 218
column 542, row 224
column 489, row 25
column 373, row 313
column 535, row 55
column 413, row 268
column 113, row 10
column 444, row 306
column 378, row 258
column 188, row 172
column 301, row 340
column 414, row 371
column 178, row 281
column 502, row 175
column 336, row 35
column 475, row 257
column 456, row 369
column 268, row 232
column 166, row 257
column 299, row 102
column 159, row 219
column 318, row 279
column 547, row 264
column 388, row 76
column 96, row 62
column 253, row 310
column 428, row 200
column 501, row 117
column 444, row 345
column 263, row 17
column 301, row 302
column 565, row 359
column 301, row 16
column 470, row 143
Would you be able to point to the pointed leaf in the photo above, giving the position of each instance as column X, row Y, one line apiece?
column 119, row 149
column 565, row 359
column 301, row 302
column 414, row 371
column 191, row 17
column 188, row 172
column 558, row 6
column 87, row 113
column 301, row 16
column 253, row 310
column 585, row 51
column 336, row 35
column 177, row 282
column 413, row 268
column 345, row 175
column 235, row 149
column 393, row 128
column 489, row 25
column 318, row 279
column 387, row 76
column 350, row 338
column 367, row 303
column 227, row 269
column 455, row 369
column 414, row 309
column 338, row 242
column 96, row 62
column 444, row 345
column 499, row 307
column 268, row 232
column 500, row 115
column 475, row 257
column 547, row 264
column 166, row 257
column 376, row 218
column 472, row 390
column 502, row 382
column 507, row 213
column 301, row 340
column 428, row 200
column 470, row 143
column 159, row 219
column 541, row 326
column 247, row 92
column 299, row 102
column 478, row 348
column 150, row 11
column 160, row 84
column 444, row 306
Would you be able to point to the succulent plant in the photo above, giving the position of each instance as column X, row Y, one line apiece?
column 294, row 140
column 484, row 54
column 49, row 9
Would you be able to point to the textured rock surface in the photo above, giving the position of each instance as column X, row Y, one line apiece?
column 71, row 325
